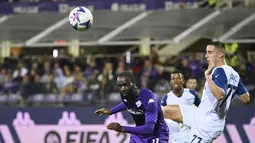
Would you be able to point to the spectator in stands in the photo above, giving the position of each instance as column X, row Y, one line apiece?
column 93, row 89
column 108, row 71
column 19, row 72
column 147, row 66
column 145, row 80
column 68, row 81
column 46, row 73
column 35, row 67
column 196, row 67
column 50, row 85
column 31, row 85
column 160, row 85
column 120, row 68
column 3, row 75
column 59, row 77
column 9, row 86
column 184, row 67
column 91, row 69
column 107, row 86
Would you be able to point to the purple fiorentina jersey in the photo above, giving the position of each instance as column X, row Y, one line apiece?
column 146, row 109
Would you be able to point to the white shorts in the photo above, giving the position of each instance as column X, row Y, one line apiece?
column 203, row 129
column 179, row 133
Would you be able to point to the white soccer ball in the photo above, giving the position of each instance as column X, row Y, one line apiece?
column 81, row 18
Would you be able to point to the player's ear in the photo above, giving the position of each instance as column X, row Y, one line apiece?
column 221, row 54
column 183, row 82
column 133, row 85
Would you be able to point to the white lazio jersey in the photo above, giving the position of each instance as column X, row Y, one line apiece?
column 229, row 80
column 179, row 132
column 188, row 98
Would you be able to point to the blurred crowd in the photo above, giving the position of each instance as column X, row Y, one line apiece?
column 93, row 80
column 36, row 0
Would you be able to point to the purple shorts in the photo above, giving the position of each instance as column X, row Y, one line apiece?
column 139, row 139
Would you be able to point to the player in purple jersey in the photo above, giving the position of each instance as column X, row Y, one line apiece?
column 145, row 109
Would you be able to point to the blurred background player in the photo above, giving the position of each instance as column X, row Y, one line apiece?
column 179, row 133
column 145, row 109
column 191, row 83
column 222, row 84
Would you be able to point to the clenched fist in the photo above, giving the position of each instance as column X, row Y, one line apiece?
column 116, row 127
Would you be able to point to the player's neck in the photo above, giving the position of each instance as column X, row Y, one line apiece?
column 220, row 63
column 136, row 93
column 178, row 92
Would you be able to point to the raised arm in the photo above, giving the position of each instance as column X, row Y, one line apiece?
column 217, row 83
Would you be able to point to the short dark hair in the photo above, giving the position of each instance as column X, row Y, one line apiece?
column 128, row 75
column 218, row 45
column 177, row 72
column 192, row 77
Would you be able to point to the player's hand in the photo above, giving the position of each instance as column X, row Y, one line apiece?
column 116, row 127
column 103, row 111
column 209, row 69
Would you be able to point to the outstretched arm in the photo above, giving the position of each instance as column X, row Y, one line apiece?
column 118, row 108
column 218, row 82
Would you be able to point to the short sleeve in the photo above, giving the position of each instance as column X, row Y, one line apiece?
column 197, row 99
column 163, row 101
column 151, row 112
column 220, row 79
column 241, row 88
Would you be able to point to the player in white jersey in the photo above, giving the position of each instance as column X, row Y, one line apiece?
column 179, row 96
column 191, row 83
column 222, row 84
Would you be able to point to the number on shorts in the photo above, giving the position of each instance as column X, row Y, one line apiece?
column 156, row 140
column 195, row 137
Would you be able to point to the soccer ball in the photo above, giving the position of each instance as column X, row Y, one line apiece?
column 81, row 18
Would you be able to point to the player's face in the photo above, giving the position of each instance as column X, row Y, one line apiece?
column 177, row 81
column 124, row 86
column 191, row 84
column 211, row 54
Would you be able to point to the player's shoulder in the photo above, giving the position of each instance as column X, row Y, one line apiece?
column 169, row 93
column 228, row 71
column 147, row 94
column 220, row 70
column 190, row 92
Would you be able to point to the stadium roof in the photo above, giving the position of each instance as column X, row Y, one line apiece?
column 129, row 27
column 223, row 22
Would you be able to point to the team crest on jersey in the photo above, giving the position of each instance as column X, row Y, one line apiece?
column 151, row 100
column 138, row 103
